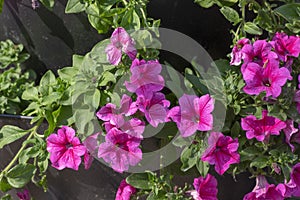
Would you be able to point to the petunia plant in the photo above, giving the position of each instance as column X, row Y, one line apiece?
column 120, row 105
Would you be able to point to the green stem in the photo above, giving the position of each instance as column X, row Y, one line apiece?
column 33, row 131
column 124, row 2
column 144, row 16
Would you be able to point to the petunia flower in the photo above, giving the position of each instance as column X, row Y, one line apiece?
column 145, row 73
column 285, row 46
column 120, row 150
column 205, row 188
column 263, row 190
column 65, row 149
column 237, row 54
column 261, row 129
column 221, row 152
column 289, row 189
column 259, row 53
column 91, row 144
column 154, row 106
column 114, row 115
column 125, row 191
column 193, row 114
column 295, row 174
column 120, row 42
column 289, row 131
column 269, row 79
column 24, row 195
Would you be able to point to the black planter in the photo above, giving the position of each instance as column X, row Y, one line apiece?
column 99, row 182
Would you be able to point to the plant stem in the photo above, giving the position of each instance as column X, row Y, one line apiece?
column 33, row 131
column 124, row 2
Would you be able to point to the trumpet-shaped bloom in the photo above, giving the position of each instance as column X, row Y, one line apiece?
column 237, row 53
column 65, row 149
column 24, row 195
column 261, row 129
column 145, row 73
column 154, row 107
column 269, row 79
column 120, row 150
column 289, row 131
column 125, row 191
column 285, row 46
column 205, row 188
column 263, row 190
column 91, row 144
column 193, row 114
column 120, row 42
column 221, row 152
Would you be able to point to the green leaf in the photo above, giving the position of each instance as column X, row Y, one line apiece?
column 77, row 60
column 4, row 185
column 189, row 157
column 106, row 78
column 235, row 129
column 1, row 5
column 230, row 14
column 131, row 20
column 20, row 175
column 203, row 167
column 48, row 3
column 102, row 25
column 47, row 80
column 205, row 3
column 160, row 196
column 289, row 11
column 259, row 162
column 286, row 171
column 30, row 94
column 74, row 6
column 67, row 73
column 6, row 197
column 140, row 181
column 252, row 28
column 9, row 134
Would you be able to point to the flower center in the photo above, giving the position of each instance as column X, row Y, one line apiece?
column 69, row 145
column 266, row 82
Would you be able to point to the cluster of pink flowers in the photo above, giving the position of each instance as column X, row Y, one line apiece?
column 263, row 190
column 266, row 65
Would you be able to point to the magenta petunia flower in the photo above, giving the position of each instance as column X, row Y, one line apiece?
column 65, row 149
column 125, row 191
column 205, row 188
column 259, row 53
column 120, row 150
column 91, row 144
column 263, row 191
column 193, row 114
column 295, row 174
column 289, row 131
column 297, row 96
column 155, row 108
column 261, row 129
column 24, row 195
column 285, row 46
column 269, row 78
column 289, row 189
column 120, row 42
column 237, row 54
column 144, row 73
column 221, row 152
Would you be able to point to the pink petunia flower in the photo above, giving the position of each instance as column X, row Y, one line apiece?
column 145, row 73
column 125, row 191
column 221, row 152
column 120, row 42
column 269, row 78
column 193, row 114
column 111, row 113
column 91, row 144
column 289, row 189
column 120, row 150
column 263, row 190
column 289, row 131
column 259, row 53
column 295, row 174
column 285, row 46
column 65, row 149
column 261, row 129
column 24, row 195
column 237, row 54
column 205, row 188
column 155, row 107
column 297, row 96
